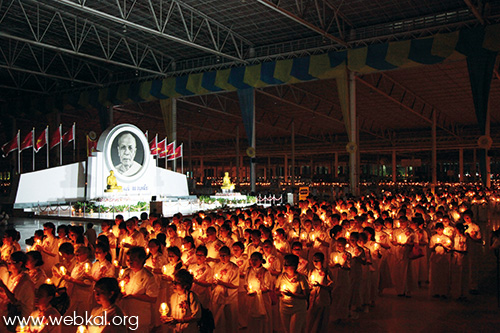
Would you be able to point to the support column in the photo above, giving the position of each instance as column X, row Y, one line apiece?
column 252, row 160
column 190, row 155
column 474, row 164
column 488, row 159
column 202, row 170
column 434, row 152
column 394, row 167
column 285, row 169
column 461, row 165
column 269, row 168
column 174, row 131
column 353, row 161
column 237, row 155
column 293, row 154
column 336, row 166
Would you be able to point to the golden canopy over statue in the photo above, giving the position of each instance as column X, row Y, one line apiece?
column 112, row 184
column 227, row 186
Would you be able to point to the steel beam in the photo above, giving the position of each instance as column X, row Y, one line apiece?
column 475, row 11
column 220, row 36
column 405, row 98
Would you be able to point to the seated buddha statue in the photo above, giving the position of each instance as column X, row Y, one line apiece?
column 112, row 184
column 227, row 186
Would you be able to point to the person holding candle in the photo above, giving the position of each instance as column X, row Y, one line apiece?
column 320, row 282
column 106, row 293
column 293, row 289
column 403, row 239
column 226, row 235
column 280, row 243
column 203, row 275
column 34, row 265
column 79, row 284
column 102, row 267
column 303, row 266
column 439, row 263
column 107, row 232
column 474, row 249
column 459, row 268
column 155, row 263
column 65, row 265
column 256, row 242
column 241, row 260
column 374, row 250
column 188, row 256
column 185, row 308
column 225, row 293
column 356, row 272
column 340, row 264
column 258, row 284
column 141, row 290
column 173, row 238
column 8, row 246
column 213, row 245
column 44, row 311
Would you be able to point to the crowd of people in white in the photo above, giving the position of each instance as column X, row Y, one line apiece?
column 286, row 268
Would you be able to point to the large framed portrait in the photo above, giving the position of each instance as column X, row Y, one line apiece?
column 126, row 151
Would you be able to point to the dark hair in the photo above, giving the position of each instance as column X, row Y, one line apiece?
column 37, row 257
column 239, row 244
column 104, row 240
column 173, row 227
column 48, row 289
column 299, row 244
column 104, row 248
column 162, row 238
column 190, row 240
column 144, row 216
column 184, row 278
column 19, row 256
column 292, row 260
column 90, row 225
column 12, row 233
column 109, row 285
column 51, row 226
column 175, row 250
column 225, row 250
column 320, row 256
column 63, row 227
column 202, row 249
column 157, row 243
column 67, row 248
column 258, row 255
column 138, row 252
column 439, row 226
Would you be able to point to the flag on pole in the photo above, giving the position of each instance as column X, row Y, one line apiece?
column 162, row 149
column 69, row 136
column 177, row 154
column 27, row 141
column 91, row 146
column 56, row 138
column 170, row 148
column 11, row 145
column 153, row 146
column 41, row 140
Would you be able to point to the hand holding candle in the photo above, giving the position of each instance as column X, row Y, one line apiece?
column 163, row 309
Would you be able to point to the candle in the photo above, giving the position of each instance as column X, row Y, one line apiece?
column 81, row 329
column 115, row 263
column 312, row 238
column 164, row 269
column 250, row 288
column 336, row 259
column 87, row 267
column 313, row 280
column 38, row 242
column 400, row 239
column 63, row 270
column 122, row 286
column 147, row 251
column 163, row 309
column 438, row 240
column 284, row 288
column 216, row 276
column 376, row 246
column 347, row 234
column 48, row 281
column 28, row 248
column 121, row 273
column 182, row 247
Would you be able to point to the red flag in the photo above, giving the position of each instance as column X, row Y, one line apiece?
column 56, row 138
column 153, row 146
column 91, row 146
column 177, row 154
column 162, row 149
column 10, row 146
column 69, row 136
column 170, row 149
column 27, row 141
column 41, row 140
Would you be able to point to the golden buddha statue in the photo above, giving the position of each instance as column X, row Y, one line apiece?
column 227, row 186
column 112, row 184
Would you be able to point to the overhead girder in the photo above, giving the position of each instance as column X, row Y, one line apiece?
column 294, row 96
column 325, row 17
column 83, row 38
column 198, row 30
column 405, row 98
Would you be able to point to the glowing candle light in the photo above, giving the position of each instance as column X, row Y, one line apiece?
column 216, row 276
column 250, row 288
column 400, row 239
column 28, row 248
column 63, row 270
column 312, row 238
column 313, row 279
column 38, row 242
column 164, row 269
column 147, row 251
column 376, row 246
column 48, row 281
column 182, row 247
column 438, row 240
column 115, row 263
column 347, row 234
column 163, row 309
column 122, row 286
column 121, row 273
column 87, row 267
column 22, row 328
column 336, row 259
column 81, row 329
